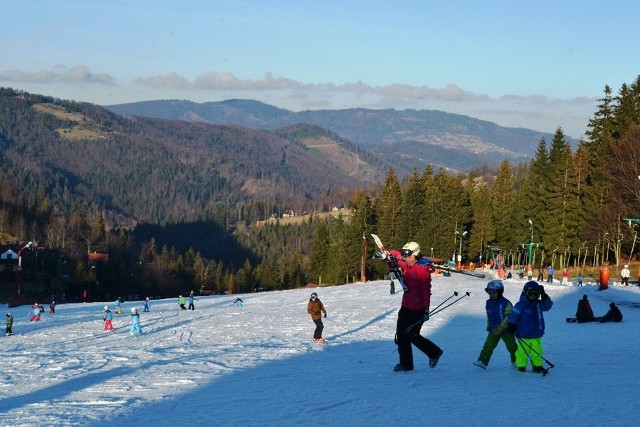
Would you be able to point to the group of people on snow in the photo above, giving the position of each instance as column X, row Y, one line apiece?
column 520, row 327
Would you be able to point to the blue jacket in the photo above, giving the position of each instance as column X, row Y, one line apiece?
column 497, row 311
column 108, row 315
column 135, row 318
column 528, row 316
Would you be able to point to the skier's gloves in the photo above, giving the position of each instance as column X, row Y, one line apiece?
column 325, row 315
column 425, row 316
column 380, row 255
column 512, row 328
column 543, row 294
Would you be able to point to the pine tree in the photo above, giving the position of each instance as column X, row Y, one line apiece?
column 387, row 210
column 502, row 197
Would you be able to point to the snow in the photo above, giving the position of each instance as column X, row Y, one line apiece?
column 256, row 366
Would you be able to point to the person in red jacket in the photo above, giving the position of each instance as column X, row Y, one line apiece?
column 415, row 307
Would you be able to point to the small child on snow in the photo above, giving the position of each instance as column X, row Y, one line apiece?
column 498, row 309
column 526, row 322
column 108, row 317
column 146, row 304
column 239, row 303
column 36, row 310
column 135, row 322
column 8, row 330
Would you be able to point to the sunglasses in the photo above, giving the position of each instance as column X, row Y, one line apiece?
column 533, row 294
column 406, row 252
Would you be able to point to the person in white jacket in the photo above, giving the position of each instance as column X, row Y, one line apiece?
column 624, row 275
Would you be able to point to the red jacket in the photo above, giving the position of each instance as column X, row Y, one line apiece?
column 418, row 280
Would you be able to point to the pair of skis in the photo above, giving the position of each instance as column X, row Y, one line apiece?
column 395, row 268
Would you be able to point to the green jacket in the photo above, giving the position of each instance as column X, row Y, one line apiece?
column 9, row 321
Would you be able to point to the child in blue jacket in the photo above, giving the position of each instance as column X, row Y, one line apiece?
column 498, row 309
column 526, row 322
column 135, row 322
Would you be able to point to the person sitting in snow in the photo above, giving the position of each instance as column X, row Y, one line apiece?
column 526, row 322
column 135, row 322
column 613, row 315
column 584, row 313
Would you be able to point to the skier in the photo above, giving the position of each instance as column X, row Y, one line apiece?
column 146, row 304
column 52, row 307
column 498, row 309
column 624, row 275
column 117, row 304
column 182, row 302
column 414, row 309
column 239, row 303
column 107, row 318
column 36, row 309
column 565, row 277
column 191, row 306
column 579, row 280
column 550, row 273
column 613, row 315
column 526, row 322
column 392, row 288
column 9, row 331
column 584, row 313
column 135, row 322
column 315, row 308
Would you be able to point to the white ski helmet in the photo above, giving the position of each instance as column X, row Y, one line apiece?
column 134, row 310
column 411, row 248
column 106, row 307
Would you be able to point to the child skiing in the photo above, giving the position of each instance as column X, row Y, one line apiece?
column 146, row 304
column 498, row 309
column 108, row 317
column 239, row 303
column 526, row 322
column 315, row 308
column 36, row 311
column 182, row 302
column 135, row 322
column 191, row 306
column 9, row 331
column 117, row 304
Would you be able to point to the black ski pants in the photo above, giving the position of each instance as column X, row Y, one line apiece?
column 406, row 318
column 319, row 327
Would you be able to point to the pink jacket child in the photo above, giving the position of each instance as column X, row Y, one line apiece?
column 37, row 310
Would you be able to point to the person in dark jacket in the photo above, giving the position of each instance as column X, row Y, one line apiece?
column 584, row 313
column 613, row 315
column 498, row 309
column 9, row 331
column 526, row 322
column 315, row 308
column 414, row 310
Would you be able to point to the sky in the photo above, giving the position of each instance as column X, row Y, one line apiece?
column 256, row 366
column 538, row 65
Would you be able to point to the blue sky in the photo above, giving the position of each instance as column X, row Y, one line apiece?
column 538, row 65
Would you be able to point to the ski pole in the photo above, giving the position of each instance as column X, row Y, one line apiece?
column 455, row 294
column 434, row 311
column 551, row 365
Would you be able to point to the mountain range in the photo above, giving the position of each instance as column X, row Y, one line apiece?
column 406, row 138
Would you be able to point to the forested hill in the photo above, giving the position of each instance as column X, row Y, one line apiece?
column 164, row 171
column 408, row 138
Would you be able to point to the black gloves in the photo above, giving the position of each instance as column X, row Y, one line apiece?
column 512, row 328
column 543, row 294
column 425, row 316
column 325, row 315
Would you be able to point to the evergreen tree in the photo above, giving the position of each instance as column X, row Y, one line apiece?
column 502, row 197
column 387, row 210
column 413, row 200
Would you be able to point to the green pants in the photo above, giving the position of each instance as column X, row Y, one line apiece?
column 529, row 348
column 492, row 342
